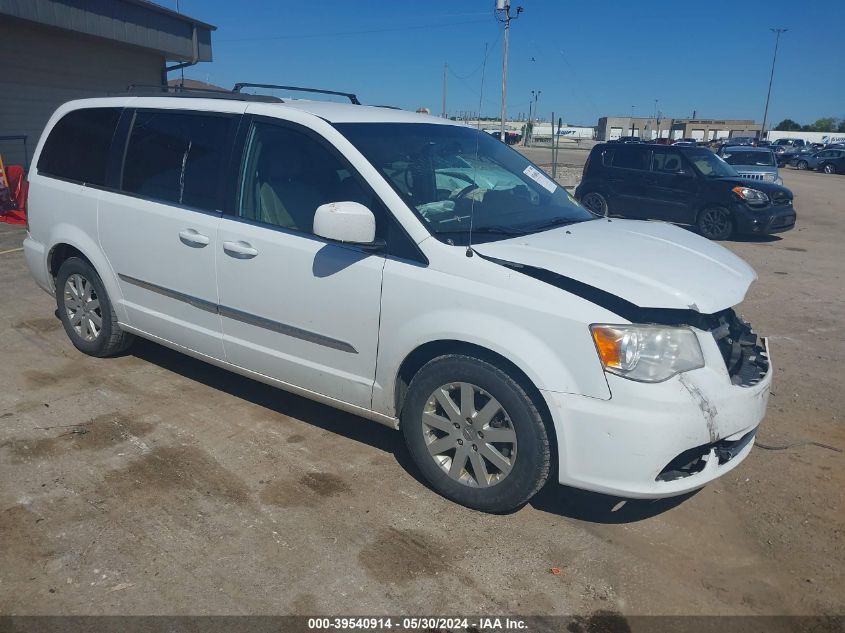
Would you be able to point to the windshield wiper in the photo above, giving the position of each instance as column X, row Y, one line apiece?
column 554, row 223
column 498, row 230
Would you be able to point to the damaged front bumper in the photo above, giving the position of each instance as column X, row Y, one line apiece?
column 669, row 438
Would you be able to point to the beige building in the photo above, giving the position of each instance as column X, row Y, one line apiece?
column 648, row 128
column 53, row 51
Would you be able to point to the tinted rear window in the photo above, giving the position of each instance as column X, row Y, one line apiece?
column 78, row 146
column 630, row 157
column 178, row 157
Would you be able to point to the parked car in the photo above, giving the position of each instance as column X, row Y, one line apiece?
column 503, row 331
column 743, row 140
column 687, row 185
column 811, row 160
column 686, row 141
column 786, row 156
column 627, row 139
column 753, row 163
column 832, row 161
column 783, row 143
column 662, row 141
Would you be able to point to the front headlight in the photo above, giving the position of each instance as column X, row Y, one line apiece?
column 751, row 195
column 779, row 181
column 647, row 353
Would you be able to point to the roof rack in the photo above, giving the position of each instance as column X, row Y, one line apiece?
column 207, row 93
column 348, row 95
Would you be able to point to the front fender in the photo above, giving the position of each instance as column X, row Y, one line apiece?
column 555, row 352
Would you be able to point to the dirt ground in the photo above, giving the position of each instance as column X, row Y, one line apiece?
column 155, row 484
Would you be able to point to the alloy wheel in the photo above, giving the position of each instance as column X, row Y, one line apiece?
column 83, row 307
column 469, row 435
column 829, row 169
column 714, row 223
column 595, row 204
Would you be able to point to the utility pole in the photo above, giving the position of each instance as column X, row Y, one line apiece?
column 777, row 33
column 445, row 70
column 632, row 120
column 503, row 7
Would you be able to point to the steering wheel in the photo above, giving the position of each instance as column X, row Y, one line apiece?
column 463, row 192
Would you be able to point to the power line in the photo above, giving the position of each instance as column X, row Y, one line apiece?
column 361, row 32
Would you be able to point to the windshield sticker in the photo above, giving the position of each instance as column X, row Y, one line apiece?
column 540, row 178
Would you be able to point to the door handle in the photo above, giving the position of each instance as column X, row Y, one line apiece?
column 240, row 250
column 191, row 237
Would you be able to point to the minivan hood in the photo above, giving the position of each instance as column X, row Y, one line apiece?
column 649, row 264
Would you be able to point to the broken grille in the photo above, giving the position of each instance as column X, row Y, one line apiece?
column 741, row 348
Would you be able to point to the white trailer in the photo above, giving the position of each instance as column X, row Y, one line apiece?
column 809, row 137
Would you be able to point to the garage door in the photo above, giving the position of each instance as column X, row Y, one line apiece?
column 615, row 133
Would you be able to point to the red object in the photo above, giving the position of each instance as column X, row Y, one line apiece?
column 19, row 188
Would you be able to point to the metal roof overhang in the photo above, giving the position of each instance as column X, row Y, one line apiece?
column 134, row 22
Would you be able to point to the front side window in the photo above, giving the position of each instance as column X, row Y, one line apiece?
column 459, row 179
column 288, row 174
column 178, row 157
column 709, row 165
column 666, row 161
column 78, row 146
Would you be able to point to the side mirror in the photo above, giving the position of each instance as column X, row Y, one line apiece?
column 346, row 222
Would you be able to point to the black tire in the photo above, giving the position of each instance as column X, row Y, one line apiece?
column 802, row 165
column 715, row 223
column 596, row 203
column 109, row 339
column 829, row 168
column 519, row 417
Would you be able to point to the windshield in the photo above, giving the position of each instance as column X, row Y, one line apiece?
column 455, row 177
column 760, row 159
column 711, row 166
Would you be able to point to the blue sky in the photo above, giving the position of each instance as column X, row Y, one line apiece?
column 589, row 59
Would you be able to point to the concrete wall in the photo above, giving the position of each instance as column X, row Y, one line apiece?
column 42, row 67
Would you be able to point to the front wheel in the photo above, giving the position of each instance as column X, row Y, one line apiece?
column 595, row 203
column 829, row 168
column 802, row 165
column 475, row 434
column 715, row 223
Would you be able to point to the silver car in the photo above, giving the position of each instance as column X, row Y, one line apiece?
column 754, row 163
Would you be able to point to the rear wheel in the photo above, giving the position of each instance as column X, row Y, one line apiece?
column 595, row 203
column 715, row 223
column 829, row 168
column 475, row 434
column 802, row 165
column 86, row 312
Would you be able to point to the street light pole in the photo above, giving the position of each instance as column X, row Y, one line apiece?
column 777, row 33
column 504, row 7
column 632, row 121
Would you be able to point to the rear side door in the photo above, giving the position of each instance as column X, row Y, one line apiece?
column 673, row 187
column 630, row 196
column 158, row 223
column 296, row 307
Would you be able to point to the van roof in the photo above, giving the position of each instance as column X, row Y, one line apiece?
column 326, row 110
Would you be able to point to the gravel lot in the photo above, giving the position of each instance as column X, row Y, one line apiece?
column 153, row 483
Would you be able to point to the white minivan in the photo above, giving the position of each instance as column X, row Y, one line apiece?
column 409, row 269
